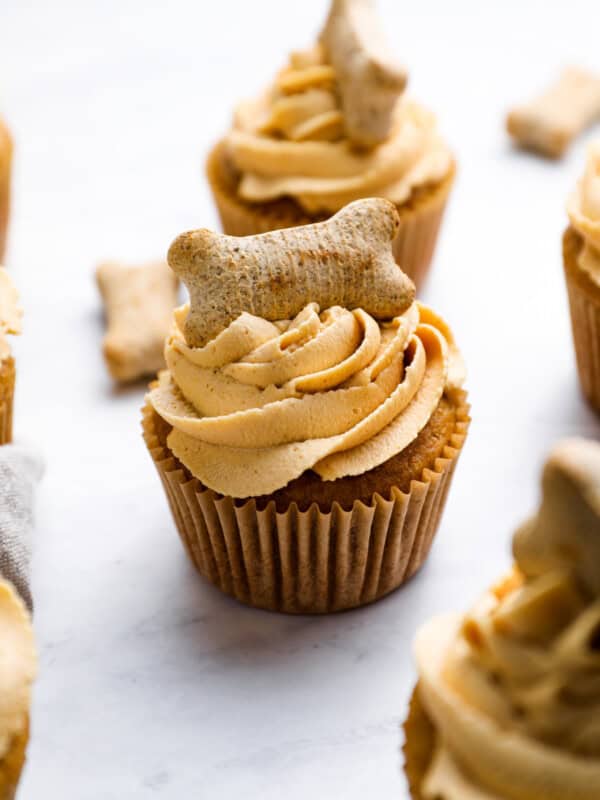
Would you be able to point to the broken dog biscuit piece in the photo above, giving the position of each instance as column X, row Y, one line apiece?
column 369, row 79
column 347, row 261
column 550, row 122
column 139, row 302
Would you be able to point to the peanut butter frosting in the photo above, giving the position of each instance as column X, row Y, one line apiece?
column 300, row 138
column 17, row 666
column 335, row 391
column 584, row 213
column 10, row 312
column 513, row 689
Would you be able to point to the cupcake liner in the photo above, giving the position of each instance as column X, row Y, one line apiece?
column 584, row 304
column 419, row 743
column 7, row 388
column 5, row 168
column 12, row 763
column 413, row 247
column 309, row 561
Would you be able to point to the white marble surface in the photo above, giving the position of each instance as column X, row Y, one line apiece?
column 151, row 682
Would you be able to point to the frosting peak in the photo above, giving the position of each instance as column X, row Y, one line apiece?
column 513, row 689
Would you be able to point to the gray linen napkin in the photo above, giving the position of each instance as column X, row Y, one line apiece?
column 20, row 470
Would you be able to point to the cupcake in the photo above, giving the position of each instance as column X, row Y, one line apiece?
column 336, row 126
column 507, row 706
column 10, row 322
column 581, row 257
column 311, row 415
column 17, row 671
column 5, row 165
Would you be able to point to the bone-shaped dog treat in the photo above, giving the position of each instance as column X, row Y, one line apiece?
column 139, row 303
column 550, row 122
column 345, row 261
column 369, row 80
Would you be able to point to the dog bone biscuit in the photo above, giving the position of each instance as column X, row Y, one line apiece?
column 139, row 302
column 345, row 261
column 550, row 122
column 369, row 80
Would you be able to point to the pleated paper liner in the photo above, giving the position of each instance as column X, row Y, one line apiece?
column 306, row 561
column 419, row 743
column 584, row 304
column 420, row 218
column 5, row 170
column 12, row 763
column 7, row 388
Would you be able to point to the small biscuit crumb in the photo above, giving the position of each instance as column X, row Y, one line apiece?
column 139, row 303
column 549, row 123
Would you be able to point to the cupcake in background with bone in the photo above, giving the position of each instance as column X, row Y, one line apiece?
column 581, row 257
column 508, row 701
column 311, row 415
column 10, row 323
column 336, row 126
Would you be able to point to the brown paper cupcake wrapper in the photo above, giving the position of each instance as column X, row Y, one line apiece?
column 7, row 389
column 414, row 245
column 419, row 743
column 12, row 764
column 585, row 322
column 306, row 561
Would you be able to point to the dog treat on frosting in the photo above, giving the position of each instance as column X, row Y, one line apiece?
column 139, row 302
column 369, row 79
column 550, row 122
column 346, row 261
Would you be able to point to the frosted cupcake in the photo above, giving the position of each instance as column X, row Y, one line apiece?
column 17, row 671
column 10, row 323
column 508, row 701
column 334, row 127
column 309, row 422
column 5, row 170
column 581, row 256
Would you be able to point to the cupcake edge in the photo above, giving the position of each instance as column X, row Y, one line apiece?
column 420, row 216
column 419, row 743
column 307, row 562
column 7, row 389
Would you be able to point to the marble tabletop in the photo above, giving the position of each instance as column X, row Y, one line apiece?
column 153, row 684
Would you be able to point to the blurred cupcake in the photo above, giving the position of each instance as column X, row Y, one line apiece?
column 10, row 322
column 508, row 701
column 5, row 167
column 17, row 671
column 311, row 416
column 334, row 127
column 581, row 256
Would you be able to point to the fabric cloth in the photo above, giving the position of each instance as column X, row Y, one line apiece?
column 20, row 471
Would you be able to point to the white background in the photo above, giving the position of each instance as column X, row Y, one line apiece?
column 152, row 684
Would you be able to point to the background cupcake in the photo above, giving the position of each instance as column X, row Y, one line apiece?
column 507, row 701
column 581, row 256
column 10, row 322
column 306, row 445
column 5, row 170
column 334, row 127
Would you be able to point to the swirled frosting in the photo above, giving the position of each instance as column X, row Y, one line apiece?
column 584, row 213
column 10, row 313
column 17, row 666
column 335, row 391
column 291, row 143
column 513, row 689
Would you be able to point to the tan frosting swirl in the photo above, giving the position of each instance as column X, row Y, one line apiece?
column 584, row 213
column 291, row 142
column 10, row 313
column 17, row 666
column 335, row 391
column 514, row 688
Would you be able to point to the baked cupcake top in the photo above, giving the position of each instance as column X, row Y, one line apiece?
column 584, row 213
column 513, row 689
column 301, row 349
column 10, row 312
column 17, row 665
column 336, row 126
